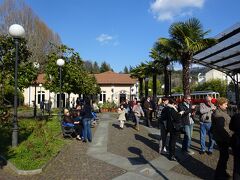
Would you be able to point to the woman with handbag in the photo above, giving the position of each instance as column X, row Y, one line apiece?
column 174, row 125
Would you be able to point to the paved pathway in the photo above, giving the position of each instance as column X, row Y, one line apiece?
column 159, row 168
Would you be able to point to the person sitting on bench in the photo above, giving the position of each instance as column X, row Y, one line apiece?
column 68, row 121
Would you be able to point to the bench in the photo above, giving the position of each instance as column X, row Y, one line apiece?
column 67, row 131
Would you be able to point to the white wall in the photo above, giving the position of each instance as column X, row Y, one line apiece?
column 29, row 94
column 117, row 90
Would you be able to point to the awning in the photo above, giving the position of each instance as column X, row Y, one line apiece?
column 225, row 55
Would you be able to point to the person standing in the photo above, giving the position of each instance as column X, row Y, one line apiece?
column 86, row 120
column 138, row 112
column 163, row 125
column 206, row 110
column 121, row 117
column 173, row 125
column 187, row 120
column 235, row 143
column 147, row 110
column 221, row 134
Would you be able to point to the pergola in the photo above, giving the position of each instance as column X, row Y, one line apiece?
column 224, row 56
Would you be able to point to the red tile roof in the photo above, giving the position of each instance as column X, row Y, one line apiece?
column 110, row 77
column 40, row 79
column 105, row 78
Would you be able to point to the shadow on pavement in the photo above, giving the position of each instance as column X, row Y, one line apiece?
column 116, row 126
column 141, row 160
column 154, row 136
column 128, row 125
column 150, row 143
column 197, row 168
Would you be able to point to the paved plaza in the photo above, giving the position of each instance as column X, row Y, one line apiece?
column 123, row 154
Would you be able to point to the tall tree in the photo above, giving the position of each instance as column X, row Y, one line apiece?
column 186, row 38
column 161, row 55
column 96, row 68
column 38, row 35
column 75, row 78
column 125, row 70
column 105, row 67
column 26, row 71
column 88, row 66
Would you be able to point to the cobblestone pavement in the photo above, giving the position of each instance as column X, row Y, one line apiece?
column 124, row 154
column 202, row 166
column 130, row 143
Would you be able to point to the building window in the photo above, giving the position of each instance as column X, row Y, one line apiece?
column 103, row 96
column 41, row 96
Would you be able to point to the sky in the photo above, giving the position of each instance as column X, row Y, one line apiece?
column 123, row 32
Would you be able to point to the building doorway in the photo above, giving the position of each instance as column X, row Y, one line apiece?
column 122, row 97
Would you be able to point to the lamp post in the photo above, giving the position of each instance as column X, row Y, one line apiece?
column 60, row 63
column 170, row 69
column 36, row 65
column 40, row 85
column 16, row 31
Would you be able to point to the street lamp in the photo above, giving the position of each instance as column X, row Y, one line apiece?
column 60, row 63
column 40, row 85
column 36, row 65
column 16, row 31
column 170, row 69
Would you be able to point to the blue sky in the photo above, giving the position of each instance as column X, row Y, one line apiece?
column 123, row 32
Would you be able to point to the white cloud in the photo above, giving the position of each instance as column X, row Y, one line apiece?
column 107, row 39
column 104, row 38
column 169, row 9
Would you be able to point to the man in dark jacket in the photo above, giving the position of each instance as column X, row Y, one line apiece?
column 187, row 120
column 147, row 107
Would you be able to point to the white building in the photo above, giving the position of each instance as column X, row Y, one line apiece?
column 213, row 74
column 114, row 87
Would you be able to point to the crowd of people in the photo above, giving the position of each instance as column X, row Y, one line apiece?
column 174, row 119
column 179, row 118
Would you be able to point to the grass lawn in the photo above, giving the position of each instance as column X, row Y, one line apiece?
column 39, row 141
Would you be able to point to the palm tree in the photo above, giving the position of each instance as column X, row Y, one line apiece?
column 161, row 56
column 138, row 72
column 186, row 38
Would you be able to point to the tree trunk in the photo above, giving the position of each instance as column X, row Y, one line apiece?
column 166, row 81
column 146, row 88
column 186, row 77
column 154, row 86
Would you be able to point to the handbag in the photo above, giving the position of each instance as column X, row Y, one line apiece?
column 178, row 127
